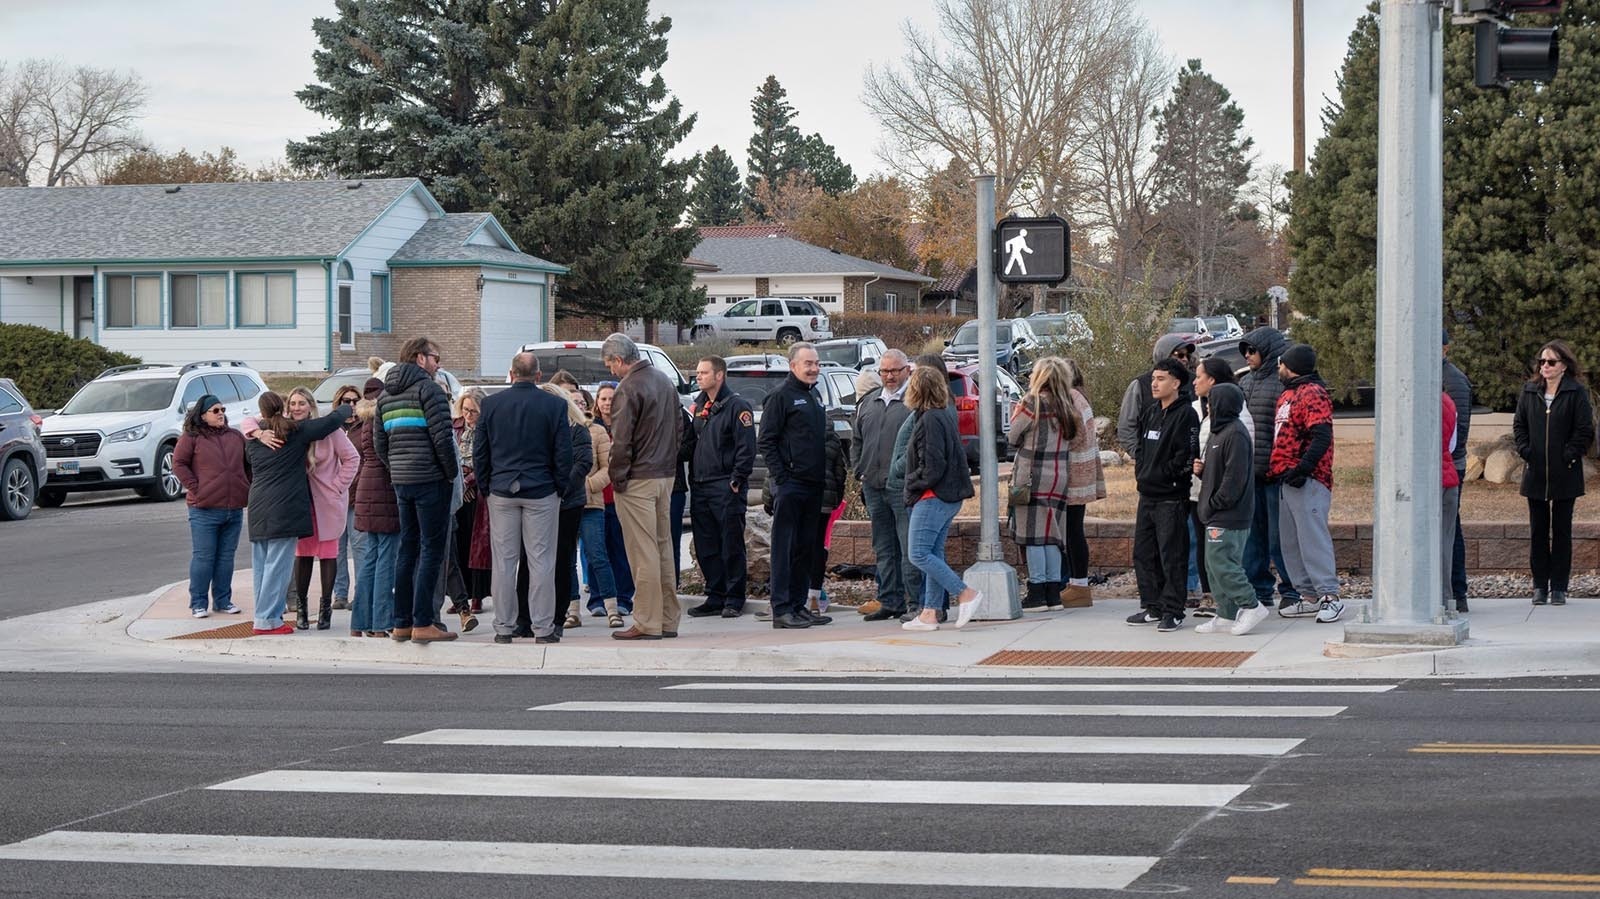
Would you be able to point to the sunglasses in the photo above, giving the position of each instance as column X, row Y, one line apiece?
column 216, row 410
column 1548, row 362
column 604, row 384
column 1180, row 354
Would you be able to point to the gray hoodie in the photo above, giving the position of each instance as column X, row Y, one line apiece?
column 1261, row 389
column 1227, row 497
column 1137, row 396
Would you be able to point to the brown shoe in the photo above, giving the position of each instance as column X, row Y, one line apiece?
column 870, row 607
column 431, row 634
column 633, row 633
column 400, row 634
column 1077, row 596
column 468, row 621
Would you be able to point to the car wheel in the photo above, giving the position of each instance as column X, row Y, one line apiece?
column 50, row 499
column 788, row 336
column 168, row 487
column 18, row 488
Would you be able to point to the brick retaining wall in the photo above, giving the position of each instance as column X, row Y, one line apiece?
column 1492, row 547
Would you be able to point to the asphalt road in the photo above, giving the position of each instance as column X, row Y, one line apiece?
column 96, row 546
column 134, row 754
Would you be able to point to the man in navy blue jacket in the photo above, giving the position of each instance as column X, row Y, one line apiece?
column 520, row 453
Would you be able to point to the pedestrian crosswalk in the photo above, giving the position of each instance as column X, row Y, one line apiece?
column 854, row 786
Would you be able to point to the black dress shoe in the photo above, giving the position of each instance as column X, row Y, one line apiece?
column 552, row 638
column 1540, row 596
column 730, row 612
column 813, row 617
column 783, row 622
column 882, row 615
column 668, row 635
column 705, row 610
column 1461, row 605
column 502, row 638
column 1558, row 597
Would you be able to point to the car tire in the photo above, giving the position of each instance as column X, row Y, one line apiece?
column 787, row 336
column 18, row 489
column 167, row 486
column 49, row 498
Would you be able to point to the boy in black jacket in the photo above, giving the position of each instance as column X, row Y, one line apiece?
column 1168, row 443
column 1226, row 509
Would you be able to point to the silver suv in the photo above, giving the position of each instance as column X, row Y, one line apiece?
column 21, row 454
column 782, row 320
column 119, row 430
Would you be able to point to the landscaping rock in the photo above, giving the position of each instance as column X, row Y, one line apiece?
column 1503, row 466
column 1474, row 467
column 1111, row 458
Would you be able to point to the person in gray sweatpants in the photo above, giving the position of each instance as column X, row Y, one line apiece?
column 1302, row 462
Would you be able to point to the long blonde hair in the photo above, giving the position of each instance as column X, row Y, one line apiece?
column 575, row 414
column 1050, row 393
column 311, row 400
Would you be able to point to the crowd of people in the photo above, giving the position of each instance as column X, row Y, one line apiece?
column 517, row 497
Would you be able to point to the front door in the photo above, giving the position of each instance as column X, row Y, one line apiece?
column 83, row 307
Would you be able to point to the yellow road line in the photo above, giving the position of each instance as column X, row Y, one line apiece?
column 1445, row 751
column 1401, row 874
column 1594, row 746
column 1261, row 881
column 1506, row 887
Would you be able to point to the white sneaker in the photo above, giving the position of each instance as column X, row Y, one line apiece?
column 1329, row 610
column 1214, row 624
column 917, row 624
column 1248, row 619
column 199, row 613
column 965, row 611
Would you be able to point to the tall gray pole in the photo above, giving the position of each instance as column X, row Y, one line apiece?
column 1408, row 572
column 991, row 574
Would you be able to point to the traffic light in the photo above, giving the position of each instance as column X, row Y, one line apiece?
column 1506, row 54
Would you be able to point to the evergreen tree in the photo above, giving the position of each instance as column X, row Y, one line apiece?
column 774, row 149
column 1202, row 164
column 409, row 87
column 819, row 158
column 717, row 198
column 582, row 174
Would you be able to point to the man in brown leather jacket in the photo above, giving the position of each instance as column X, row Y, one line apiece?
column 645, row 420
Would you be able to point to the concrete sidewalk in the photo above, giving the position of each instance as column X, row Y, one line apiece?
column 1509, row 638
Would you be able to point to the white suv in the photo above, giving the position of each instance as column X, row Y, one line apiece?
column 781, row 320
column 119, row 430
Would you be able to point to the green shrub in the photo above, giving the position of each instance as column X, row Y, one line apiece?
column 49, row 366
column 909, row 331
column 1126, row 319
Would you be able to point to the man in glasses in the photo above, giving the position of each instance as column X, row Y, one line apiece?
column 1262, row 349
column 1137, row 397
column 878, row 418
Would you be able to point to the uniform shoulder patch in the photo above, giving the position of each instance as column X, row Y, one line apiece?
column 746, row 419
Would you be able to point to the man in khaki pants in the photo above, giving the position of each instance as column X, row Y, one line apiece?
column 645, row 420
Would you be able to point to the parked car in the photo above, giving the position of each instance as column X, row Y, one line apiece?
column 755, row 377
column 766, row 320
column 357, row 378
column 1065, row 327
column 1226, row 349
column 1017, row 347
column 119, row 430
column 581, row 359
column 1207, row 327
column 965, row 383
column 22, row 461
column 859, row 353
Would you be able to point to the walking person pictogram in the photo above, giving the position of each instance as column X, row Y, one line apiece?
column 1015, row 247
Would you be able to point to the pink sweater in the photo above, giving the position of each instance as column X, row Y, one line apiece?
column 337, row 462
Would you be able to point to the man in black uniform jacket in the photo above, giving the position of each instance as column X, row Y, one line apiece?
column 792, row 427
column 719, row 476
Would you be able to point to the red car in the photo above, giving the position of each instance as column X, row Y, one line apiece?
column 964, row 391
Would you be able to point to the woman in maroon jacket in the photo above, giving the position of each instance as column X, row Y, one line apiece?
column 210, row 462
column 378, row 521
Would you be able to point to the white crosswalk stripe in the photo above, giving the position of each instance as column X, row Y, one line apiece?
column 1004, row 687
column 925, row 710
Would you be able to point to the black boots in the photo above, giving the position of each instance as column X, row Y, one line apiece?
column 301, row 595
column 327, row 569
column 1035, row 600
column 301, row 621
column 1540, row 596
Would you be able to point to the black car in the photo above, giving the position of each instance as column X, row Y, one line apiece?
column 1016, row 345
column 21, row 454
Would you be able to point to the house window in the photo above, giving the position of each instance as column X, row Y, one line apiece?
column 826, row 300
column 266, row 300
column 199, row 301
column 347, row 335
column 380, row 303
column 133, row 301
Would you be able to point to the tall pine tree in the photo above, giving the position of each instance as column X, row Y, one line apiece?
column 774, row 149
column 582, row 175
column 409, row 86
column 717, row 198
column 818, row 157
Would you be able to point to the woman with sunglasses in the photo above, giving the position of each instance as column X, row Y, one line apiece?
column 1552, row 427
column 209, row 461
column 349, row 548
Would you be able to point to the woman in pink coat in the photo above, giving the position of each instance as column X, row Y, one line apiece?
column 331, row 466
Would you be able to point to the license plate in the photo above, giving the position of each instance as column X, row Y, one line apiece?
column 66, row 466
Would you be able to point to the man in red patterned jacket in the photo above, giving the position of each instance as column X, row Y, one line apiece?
column 1302, row 463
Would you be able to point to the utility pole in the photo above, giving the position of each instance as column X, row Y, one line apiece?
column 1408, row 574
column 1300, row 85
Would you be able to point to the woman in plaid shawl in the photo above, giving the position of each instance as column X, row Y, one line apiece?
column 1044, row 428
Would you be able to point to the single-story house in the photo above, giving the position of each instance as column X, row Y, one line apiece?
column 761, row 261
column 287, row 276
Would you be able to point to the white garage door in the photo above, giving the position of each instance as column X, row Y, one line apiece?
column 512, row 315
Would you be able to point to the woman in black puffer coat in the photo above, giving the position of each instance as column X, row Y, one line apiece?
column 1553, row 427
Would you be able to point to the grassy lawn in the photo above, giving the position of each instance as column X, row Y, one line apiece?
column 285, row 383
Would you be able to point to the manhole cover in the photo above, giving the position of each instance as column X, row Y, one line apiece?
column 231, row 632
column 1097, row 658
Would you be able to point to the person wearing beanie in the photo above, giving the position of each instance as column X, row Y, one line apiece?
column 1169, row 442
column 1225, row 509
column 209, row 462
column 1302, row 465
column 1262, row 348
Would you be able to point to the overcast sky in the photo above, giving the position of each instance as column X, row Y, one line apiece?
column 226, row 73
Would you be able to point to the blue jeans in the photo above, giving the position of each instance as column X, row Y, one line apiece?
column 912, row 575
column 424, row 528
column 1458, row 555
column 1044, row 564
column 886, row 547
column 215, row 536
column 928, row 529
column 372, row 608
column 1264, row 546
column 341, row 578
column 272, row 562
column 596, row 561
column 1194, row 558
column 617, row 552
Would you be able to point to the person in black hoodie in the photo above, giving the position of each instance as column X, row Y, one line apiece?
column 1553, row 427
column 1169, row 442
column 792, row 427
column 1262, row 349
column 1226, row 508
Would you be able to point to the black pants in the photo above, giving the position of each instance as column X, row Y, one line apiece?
column 1551, row 559
column 1199, row 549
column 794, row 529
column 819, row 551
column 476, row 579
column 717, row 514
column 1077, row 548
column 566, row 562
column 1161, row 555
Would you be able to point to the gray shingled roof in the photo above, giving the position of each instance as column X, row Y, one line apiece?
column 445, row 240
column 250, row 220
column 787, row 256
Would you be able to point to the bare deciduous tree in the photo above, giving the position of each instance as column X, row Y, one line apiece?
column 1000, row 88
column 55, row 119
